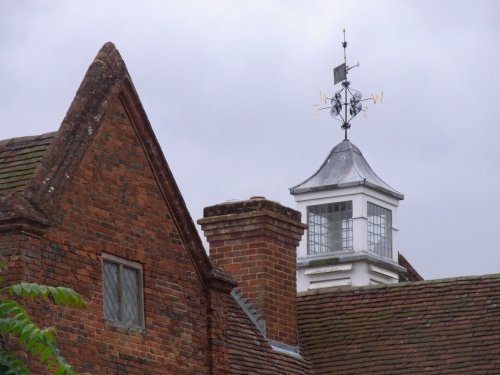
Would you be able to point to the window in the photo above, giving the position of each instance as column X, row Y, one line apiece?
column 379, row 230
column 329, row 227
column 122, row 282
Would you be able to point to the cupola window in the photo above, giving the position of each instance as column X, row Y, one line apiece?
column 379, row 230
column 329, row 227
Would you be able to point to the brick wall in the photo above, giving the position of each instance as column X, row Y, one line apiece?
column 255, row 241
column 112, row 204
column 219, row 300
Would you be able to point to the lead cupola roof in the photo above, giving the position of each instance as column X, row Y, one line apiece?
column 344, row 167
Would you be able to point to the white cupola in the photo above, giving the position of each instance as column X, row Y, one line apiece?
column 351, row 217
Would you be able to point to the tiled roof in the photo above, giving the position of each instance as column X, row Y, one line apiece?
column 19, row 158
column 250, row 353
column 449, row 326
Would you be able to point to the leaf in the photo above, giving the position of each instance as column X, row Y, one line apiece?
column 26, row 332
column 18, row 289
column 40, row 342
column 60, row 370
column 38, row 348
column 49, row 334
column 8, row 307
column 45, row 354
column 60, row 295
column 32, row 339
column 12, row 364
column 3, row 267
column 52, row 362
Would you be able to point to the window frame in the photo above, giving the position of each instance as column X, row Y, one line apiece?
column 387, row 252
column 121, row 262
column 330, row 226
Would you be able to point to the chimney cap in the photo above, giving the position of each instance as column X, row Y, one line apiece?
column 255, row 203
column 257, row 198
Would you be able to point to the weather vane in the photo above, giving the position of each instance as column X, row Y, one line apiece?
column 346, row 98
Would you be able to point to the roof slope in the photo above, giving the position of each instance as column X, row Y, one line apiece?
column 250, row 353
column 19, row 158
column 44, row 164
column 345, row 166
column 411, row 273
column 449, row 326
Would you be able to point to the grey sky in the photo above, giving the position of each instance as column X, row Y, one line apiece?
column 229, row 87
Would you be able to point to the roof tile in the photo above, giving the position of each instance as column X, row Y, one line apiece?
column 19, row 158
column 437, row 327
column 250, row 353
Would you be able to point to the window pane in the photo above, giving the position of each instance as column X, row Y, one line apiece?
column 329, row 227
column 379, row 230
column 111, row 299
column 131, row 302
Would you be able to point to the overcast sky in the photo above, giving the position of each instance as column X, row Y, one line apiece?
column 229, row 87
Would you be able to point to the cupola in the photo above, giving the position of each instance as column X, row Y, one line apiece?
column 351, row 217
column 351, row 213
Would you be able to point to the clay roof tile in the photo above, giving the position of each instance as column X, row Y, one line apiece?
column 437, row 326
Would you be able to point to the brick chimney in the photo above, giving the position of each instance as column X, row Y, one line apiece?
column 255, row 241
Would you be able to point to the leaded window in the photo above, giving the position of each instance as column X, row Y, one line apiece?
column 329, row 227
column 379, row 230
column 122, row 283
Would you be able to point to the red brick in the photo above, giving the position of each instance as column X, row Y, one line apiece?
column 265, row 260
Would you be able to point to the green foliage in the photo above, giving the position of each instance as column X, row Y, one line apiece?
column 39, row 342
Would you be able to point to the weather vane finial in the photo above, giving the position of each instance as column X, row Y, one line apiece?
column 346, row 98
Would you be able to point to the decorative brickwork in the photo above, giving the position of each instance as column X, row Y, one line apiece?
column 255, row 241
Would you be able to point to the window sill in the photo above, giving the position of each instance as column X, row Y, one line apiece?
column 124, row 328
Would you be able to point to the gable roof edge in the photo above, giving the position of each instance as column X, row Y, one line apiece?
column 168, row 186
column 106, row 79
column 99, row 86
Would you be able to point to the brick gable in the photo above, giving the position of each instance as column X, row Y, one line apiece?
column 113, row 204
column 102, row 186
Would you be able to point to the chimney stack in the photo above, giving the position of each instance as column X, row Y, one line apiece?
column 255, row 241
